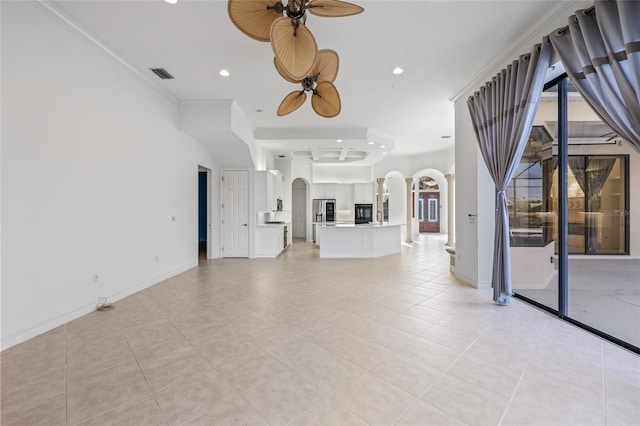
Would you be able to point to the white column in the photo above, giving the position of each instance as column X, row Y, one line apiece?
column 409, row 182
column 380, row 200
column 450, row 210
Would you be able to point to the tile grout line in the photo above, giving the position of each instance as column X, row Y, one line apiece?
column 128, row 402
column 197, row 348
column 445, row 371
column 524, row 371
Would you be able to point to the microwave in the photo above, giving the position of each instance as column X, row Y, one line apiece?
column 363, row 213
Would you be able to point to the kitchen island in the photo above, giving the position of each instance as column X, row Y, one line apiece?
column 347, row 240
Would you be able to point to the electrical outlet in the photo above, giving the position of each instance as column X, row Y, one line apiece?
column 174, row 219
column 96, row 277
column 157, row 259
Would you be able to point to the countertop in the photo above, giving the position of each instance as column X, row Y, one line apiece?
column 354, row 225
column 273, row 225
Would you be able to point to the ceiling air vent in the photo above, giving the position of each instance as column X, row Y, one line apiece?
column 162, row 73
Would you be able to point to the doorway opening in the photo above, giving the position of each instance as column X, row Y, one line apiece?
column 204, row 214
column 299, row 208
column 428, row 205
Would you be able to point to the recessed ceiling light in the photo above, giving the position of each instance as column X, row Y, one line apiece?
column 370, row 143
column 171, row 1
column 225, row 73
column 384, row 153
column 398, row 71
column 383, row 146
column 338, row 140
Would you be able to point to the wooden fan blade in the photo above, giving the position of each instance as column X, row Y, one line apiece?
column 294, row 46
column 326, row 100
column 333, row 8
column 253, row 17
column 283, row 73
column 326, row 66
column 291, row 102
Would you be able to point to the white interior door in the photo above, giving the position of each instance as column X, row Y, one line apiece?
column 235, row 213
column 299, row 213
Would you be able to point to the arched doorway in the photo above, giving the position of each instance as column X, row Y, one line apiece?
column 299, row 208
column 428, row 205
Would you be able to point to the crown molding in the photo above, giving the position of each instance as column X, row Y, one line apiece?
column 53, row 11
column 522, row 45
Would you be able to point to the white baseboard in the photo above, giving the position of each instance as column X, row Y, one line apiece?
column 87, row 308
column 472, row 282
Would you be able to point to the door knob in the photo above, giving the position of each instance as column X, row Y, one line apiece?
column 244, row 224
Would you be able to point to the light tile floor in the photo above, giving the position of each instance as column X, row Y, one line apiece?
column 306, row 341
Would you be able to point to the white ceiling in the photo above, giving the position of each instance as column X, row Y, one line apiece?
column 442, row 45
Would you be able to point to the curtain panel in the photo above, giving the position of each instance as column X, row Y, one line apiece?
column 591, row 175
column 600, row 51
column 502, row 113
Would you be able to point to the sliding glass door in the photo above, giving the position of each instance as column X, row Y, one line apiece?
column 601, row 283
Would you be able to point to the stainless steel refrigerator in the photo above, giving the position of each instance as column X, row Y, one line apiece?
column 324, row 210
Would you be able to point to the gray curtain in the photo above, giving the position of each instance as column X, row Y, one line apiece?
column 591, row 175
column 600, row 51
column 502, row 113
column 577, row 166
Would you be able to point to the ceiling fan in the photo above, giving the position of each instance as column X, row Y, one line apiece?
column 325, row 99
column 284, row 26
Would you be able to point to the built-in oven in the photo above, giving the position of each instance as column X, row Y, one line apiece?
column 363, row 213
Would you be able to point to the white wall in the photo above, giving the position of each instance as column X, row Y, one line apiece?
column 397, row 198
column 93, row 169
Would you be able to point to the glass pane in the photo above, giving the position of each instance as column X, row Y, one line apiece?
column 532, row 203
column 433, row 210
column 604, row 290
column 577, row 205
column 607, row 205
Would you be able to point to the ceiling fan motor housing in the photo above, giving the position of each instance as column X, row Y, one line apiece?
column 296, row 9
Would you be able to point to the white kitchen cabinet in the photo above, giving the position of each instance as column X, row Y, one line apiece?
column 363, row 193
column 324, row 190
column 268, row 188
column 344, row 196
column 270, row 240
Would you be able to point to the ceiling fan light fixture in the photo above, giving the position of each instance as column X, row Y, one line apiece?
column 224, row 73
column 397, row 71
